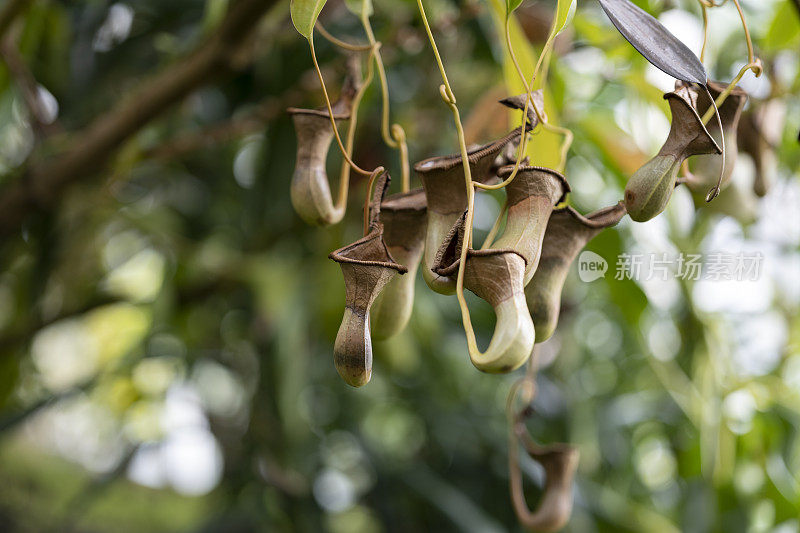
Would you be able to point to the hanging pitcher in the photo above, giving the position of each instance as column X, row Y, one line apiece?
column 567, row 233
column 445, row 191
column 496, row 276
column 530, row 197
column 404, row 218
column 649, row 189
column 310, row 189
column 367, row 266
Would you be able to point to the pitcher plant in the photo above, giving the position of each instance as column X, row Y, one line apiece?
column 649, row 189
column 404, row 218
column 367, row 266
column 567, row 233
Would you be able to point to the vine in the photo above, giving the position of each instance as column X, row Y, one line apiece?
column 647, row 193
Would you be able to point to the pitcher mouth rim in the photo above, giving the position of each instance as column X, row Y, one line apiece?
column 604, row 217
column 448, row 162
column 376, row 233
column 386, row 204
column 452, row 268
column 502, row 172
column 693, row 109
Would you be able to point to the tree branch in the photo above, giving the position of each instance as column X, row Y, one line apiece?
column 43, row 183
column 234, row 128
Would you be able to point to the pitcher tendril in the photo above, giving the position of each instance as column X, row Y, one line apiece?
column 340, row 43
column 344, row 173
column 704, row 10
column 753, row 64
column 330, row 111
column 396, row 136
column 714, row 192
column 449, row 98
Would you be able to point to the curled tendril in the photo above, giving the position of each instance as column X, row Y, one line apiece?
column 714, row 191
column 330, row 111
column 447, row 95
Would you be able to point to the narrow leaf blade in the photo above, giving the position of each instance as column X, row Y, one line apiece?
column 304, row 15
column 564, row 13
column 654, row 41
column 511, row 5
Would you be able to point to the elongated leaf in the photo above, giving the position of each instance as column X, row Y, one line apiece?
column 356, row 6
column 564, row 13
column 654, row 41
column 546, row 151
column 511, row 5
column 304, row 15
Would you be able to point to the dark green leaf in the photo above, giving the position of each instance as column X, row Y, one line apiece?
column 654, row 41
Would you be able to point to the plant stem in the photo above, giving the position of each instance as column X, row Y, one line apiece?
column 450, row 96
column 447, row 95
column 340, row 43
column 755, row 66
column 88, row 150
column 751, row 58
column 750, row 55
column 705, row 31
column 344, row 174
column 568, row 136
column 523, row 135
column 753, row 63
column 9, row 13
column 397, row 138
column 330, row 110
column 546, row 49
column 714, row 191
column 544, row 60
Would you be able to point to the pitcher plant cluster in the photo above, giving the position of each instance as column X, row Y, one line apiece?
column 521, row 271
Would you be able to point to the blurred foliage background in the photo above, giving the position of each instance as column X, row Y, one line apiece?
column 167, row 321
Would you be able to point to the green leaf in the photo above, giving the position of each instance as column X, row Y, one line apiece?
column 357, row 6
column 547, row 148
column 784, row 31
column 564, row 13
column 304, row 15
column 511, row 5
